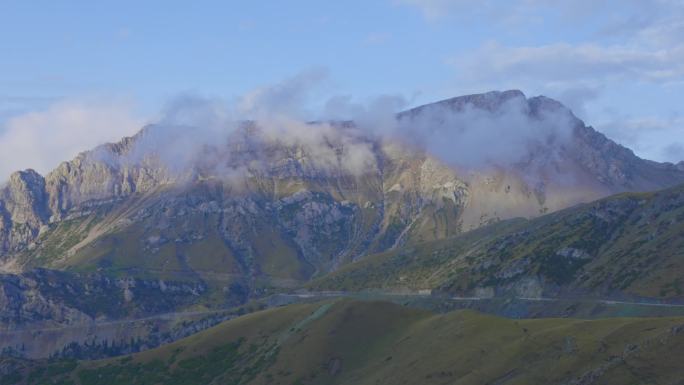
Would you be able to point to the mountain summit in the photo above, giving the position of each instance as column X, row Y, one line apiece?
column 259, row 206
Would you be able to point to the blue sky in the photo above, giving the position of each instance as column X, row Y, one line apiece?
column 93, row 71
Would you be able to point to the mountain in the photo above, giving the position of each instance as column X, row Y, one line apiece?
column 497, row 202
column 625, row 246
column 620, row 255
column 257, row 208
column 51, row 298
column 351, row 342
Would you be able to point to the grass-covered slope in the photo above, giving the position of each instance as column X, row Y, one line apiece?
column 625, row 245
column 350, row 342
column 277, row 235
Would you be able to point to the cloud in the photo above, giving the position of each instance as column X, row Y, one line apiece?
column 563, row 65
column 376, row 116
column 275, row 129
column 577, row 98
column 288, row 97
column 41, row 139
column 631, row 40
column 271, row 126
column 630, row 45
column 502, row 130
column 289, row 129
column 628, row 39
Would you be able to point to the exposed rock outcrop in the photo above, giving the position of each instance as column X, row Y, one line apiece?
column 318, row 202
column 53, row 298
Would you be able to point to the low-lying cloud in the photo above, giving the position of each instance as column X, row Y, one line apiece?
column 474, row 137
column 279, row 129
column 41, row 139
column 256, row 131
column 266, row 129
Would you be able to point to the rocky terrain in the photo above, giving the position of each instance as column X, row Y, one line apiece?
column 625, row 246
column 281, row 210
column 126, row 230
column 93, row 340
column 48, row 298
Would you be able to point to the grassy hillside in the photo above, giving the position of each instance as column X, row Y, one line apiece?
column 625, row 245
column 351, row 342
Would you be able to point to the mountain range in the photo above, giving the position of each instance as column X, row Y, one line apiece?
column 286, row 210
column 628, row 245
column 477, row 201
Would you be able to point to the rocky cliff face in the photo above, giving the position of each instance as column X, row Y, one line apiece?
column 99, row 176
column 288, row 208
column 320, row 215
column 627, row 246
column 23, row 210
column 50, row 298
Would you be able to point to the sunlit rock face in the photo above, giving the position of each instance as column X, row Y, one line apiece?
column 290, row 200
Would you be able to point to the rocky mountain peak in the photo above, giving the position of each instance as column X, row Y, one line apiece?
column 371, row 194
column 489, row 101
column 541, row 105
column 25, row 197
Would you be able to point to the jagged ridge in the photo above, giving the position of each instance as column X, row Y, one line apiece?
column 289, row 217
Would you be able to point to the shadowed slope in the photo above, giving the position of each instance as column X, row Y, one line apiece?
column 348, row 342
column 625, row 245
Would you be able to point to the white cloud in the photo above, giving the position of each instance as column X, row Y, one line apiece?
column 289, row 97
column 578, row 75
column 628, row 45
column 473, row 137
column 632, row 40
column 42, row 139
column 194, row 132
column 563, row 64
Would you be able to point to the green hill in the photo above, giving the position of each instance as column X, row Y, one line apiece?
column 628, row 245
column 351, row 342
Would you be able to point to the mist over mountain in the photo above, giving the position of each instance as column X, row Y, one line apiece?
column 458, row 132
column 329, row 191
column 215, row 211
column 316, row 193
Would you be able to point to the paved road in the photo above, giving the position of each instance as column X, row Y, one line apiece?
column 314, row 295
column 456, row 298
